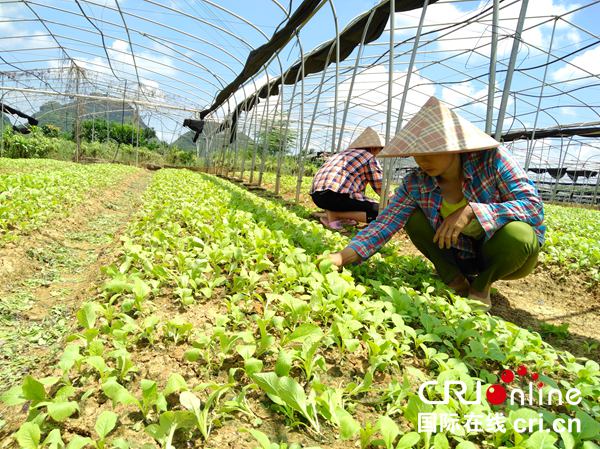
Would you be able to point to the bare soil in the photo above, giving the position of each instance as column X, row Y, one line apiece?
column 545, row 297
column 46, row 275
column 542, row 302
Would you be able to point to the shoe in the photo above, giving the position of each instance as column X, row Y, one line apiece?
column 348, row 222
column 334, row 225
column 460, row 285
column 484, row 303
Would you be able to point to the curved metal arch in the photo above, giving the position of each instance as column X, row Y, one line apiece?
column 205, row 22
column 153, row 22
column 150, row 71
column 139, row 57
column 337, row 72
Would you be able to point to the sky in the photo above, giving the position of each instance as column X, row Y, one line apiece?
column 185, row 51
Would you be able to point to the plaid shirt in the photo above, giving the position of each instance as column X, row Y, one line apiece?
column 497, row 189
column 349, row 171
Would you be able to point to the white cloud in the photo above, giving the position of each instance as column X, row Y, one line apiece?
column 11, row 32
column 581, row 66
column 368, row 103
column 148, row 64
column 478, row 34
column 571, row 112
column 466, row 92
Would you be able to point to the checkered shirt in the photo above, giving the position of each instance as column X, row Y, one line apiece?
column 497, row 189
column 349, row 171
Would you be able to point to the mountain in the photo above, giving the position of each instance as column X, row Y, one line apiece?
column 63, row 115
column 5, row 121
column 185, row 141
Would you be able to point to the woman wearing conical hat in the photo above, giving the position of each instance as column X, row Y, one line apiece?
column 339, row 185
column 469, row 208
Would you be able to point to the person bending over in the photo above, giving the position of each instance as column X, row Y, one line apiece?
column 339, row 185
column 469, row 208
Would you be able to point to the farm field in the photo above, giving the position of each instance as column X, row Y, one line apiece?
column 560, row 300
column 214, row 324
column 31, row 191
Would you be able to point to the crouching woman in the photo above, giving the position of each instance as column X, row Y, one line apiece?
column 469, row 208
column 339, row 185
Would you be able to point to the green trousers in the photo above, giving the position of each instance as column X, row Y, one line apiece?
column 511, row 253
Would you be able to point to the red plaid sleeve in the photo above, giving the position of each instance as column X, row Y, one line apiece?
column 519, row 200
column 374, row 175
column 393, row 218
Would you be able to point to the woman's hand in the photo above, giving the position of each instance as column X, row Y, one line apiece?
column 344, row 257
column 447, row 234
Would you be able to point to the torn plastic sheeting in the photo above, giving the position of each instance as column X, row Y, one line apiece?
column 349, row 38
column 259, row 56
column 316, row 61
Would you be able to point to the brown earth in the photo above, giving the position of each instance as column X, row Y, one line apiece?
column 542, row 302
column 46, row 275
column 531, row 302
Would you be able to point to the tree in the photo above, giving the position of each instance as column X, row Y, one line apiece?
column 100, row 130
column 279, row 138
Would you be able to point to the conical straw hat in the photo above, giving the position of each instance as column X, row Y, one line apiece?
column 368, row 139
column 435, row 129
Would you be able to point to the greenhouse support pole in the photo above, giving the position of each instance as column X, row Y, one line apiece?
column 78, row 114
column 258, row 127
column 268, row 130
column 137, row 137
column 221, row 169
column 252, row 115
column 531, row 142
column 387, row 166
column 353, row 79
column 301, row 134
column 574, row 179
column 106, row 144
column 387, row 163
column 122, row 120
column 244, row 152
column 337, row 76
column 197, row 116
column 492, row 78
column 287, row 125
column 283, row 145
column 235, row 142
column 511, row 69
column 596, row 188
column 561, row 162
column 411, row 66
column 304, row 148
column 2, row 119
column 94, row 123
column 209, row 148
column 289, row 114
column 273, row 121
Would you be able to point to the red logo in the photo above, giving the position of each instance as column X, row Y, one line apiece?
column 496, row 394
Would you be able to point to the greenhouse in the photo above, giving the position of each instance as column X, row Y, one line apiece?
column 299, row 224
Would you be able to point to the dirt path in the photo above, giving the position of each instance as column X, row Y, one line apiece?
column 45, row 276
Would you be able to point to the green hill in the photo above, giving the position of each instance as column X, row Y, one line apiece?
column 185, row 141
column 62, row 115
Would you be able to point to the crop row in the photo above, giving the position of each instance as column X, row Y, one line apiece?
column 220, row 316
column 32, row 191
column 572, row 238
